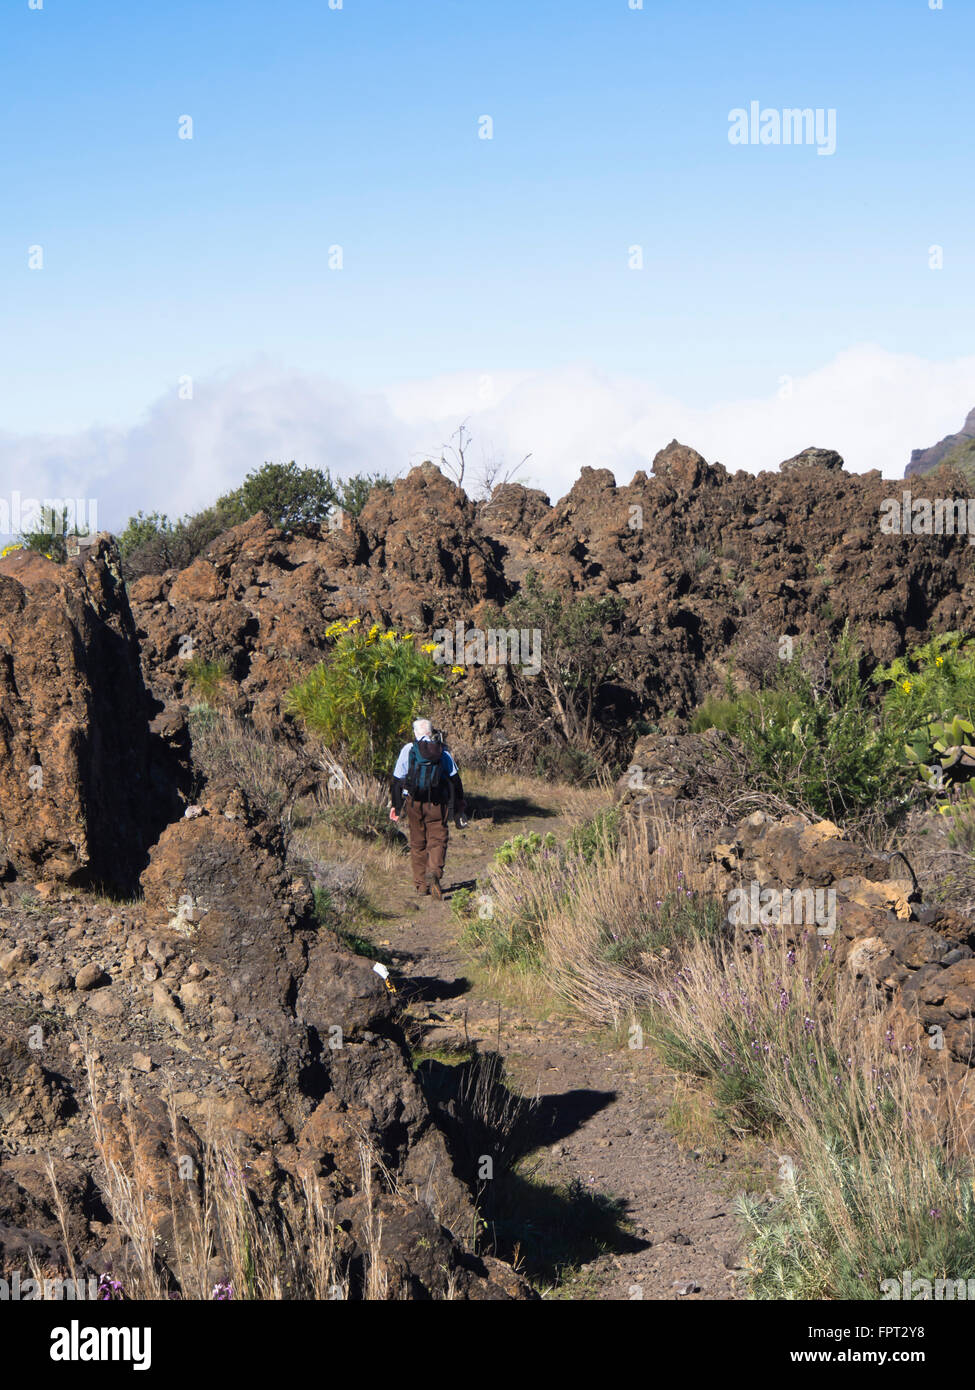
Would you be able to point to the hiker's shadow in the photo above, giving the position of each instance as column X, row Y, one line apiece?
column 431, row 989
column 504, row 810
column 556, row 1117
column 461, row 883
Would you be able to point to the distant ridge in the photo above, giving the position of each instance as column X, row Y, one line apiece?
column 960, row 446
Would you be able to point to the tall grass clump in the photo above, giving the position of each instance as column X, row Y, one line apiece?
column 873, row 1177
column 597, row 916
column 268, row 769
column 207, row 679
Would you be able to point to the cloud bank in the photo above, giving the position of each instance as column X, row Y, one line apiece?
column 872, row 405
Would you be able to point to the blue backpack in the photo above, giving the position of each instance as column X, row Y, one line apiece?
column 425, row 772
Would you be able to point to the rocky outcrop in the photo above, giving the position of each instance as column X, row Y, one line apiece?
column 216, row 1011
column 813, row 458
column 261, row 599
column 923, row 460
column 84, row 785
column 876, row 923
column 669, row 774
column 711, row 567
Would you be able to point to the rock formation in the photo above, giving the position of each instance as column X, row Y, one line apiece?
column 923, row 460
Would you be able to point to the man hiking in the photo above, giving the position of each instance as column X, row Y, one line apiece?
column 426, row 778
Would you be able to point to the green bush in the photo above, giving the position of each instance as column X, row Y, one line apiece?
column 207, row 679
column 292, row 498
column 929, row 706
column 523, row 847
column 932, row 682
column 51, row 536
column 462, row 904
column 598, row 837
column 724, row 715
column 812, row 737
column 362, row 701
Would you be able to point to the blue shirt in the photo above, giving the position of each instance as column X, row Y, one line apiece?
column 447, row 764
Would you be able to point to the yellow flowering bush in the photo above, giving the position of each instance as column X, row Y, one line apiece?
column 363, row 700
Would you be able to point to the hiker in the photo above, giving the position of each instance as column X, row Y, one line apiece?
column 426, row 777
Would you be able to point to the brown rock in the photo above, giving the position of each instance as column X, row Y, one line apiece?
column 89, row 976
column 81, row 795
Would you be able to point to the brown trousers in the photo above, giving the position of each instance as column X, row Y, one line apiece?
column 428, row 839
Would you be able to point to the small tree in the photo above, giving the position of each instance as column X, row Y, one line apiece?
column 362, row 701
column 578, row 637
column 51, row 536
column 290, row 496
column 354, row 492
column 143, row 528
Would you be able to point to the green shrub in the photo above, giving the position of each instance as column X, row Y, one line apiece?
column 50, row 538
column 152, row 544
column 361, row 702
column 462, row 904
column 207, row 679
column 932, row 682
column 292, row 498
column 523, row 847
column 723, row 714
column 930, row 706
column 813, row 739
column 503, row 940
column 598, row 837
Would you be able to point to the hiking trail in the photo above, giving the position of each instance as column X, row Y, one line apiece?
column 600, row 1120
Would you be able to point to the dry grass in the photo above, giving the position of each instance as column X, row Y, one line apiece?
column 597, row 917
column 629, row 912
column 875, row 1167
column 269, row 770
column 207, row 1238
column 575, row 802
column 349, row 821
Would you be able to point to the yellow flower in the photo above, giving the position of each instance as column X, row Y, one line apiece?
column 387, row 637
column 939, row 661
column 407, row 635
column 906, row 687
column 457, row 670
column 429, row 647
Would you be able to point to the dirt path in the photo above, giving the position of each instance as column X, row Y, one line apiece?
column 600, row 1128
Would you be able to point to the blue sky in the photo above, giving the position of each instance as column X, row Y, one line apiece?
column 466, row 259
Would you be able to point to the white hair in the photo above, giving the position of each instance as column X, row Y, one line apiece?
column 422, row 728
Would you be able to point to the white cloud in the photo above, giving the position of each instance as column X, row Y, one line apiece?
column 873, row 406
